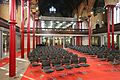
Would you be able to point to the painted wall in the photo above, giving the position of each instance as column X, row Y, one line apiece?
column 119, row 42
column 31, row 42
column 4, row 13
column 85, row 25
column 18, row 43
column 102, row 40
column 85, row 40
column 100, row 19
column 1, row 45
column 31, row 22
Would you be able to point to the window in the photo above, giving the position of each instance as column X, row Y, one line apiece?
column 4, row 1
column 117, row 14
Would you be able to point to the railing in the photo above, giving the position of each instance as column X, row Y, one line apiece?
column 58, row 31
column 5, row 24
column 104, row 29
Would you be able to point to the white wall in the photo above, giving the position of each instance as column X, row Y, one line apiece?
column 25, row 42
column 84, row 40
column 85, row 25
column 1, row 44
column 119, row 42
column 102, row 40
column 18, row 43
column 31, row 23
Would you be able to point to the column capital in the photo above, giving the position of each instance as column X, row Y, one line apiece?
column 81, row 21
column 89, row 16
column 12, row 22
column 36, row 19
column 78, row 21
column 110, row 6
column 33, row 13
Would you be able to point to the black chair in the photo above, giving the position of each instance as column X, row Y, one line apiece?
column 67, row 64
column 75, row 62
column 47, row 67
column 43, row 57
column 57, row 65
column 83, row 61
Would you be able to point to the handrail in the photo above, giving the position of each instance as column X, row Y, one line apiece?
column 59, row 29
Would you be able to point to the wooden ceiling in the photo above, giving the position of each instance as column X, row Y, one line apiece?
column 86, row 4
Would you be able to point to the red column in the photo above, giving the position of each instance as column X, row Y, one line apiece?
column 28, row 27
column 81, row 30
column 108, row 20
column 39, row 30
column 113, row 46
column 77, row 37
column 81, row 25
column 37, row 37
column 22, row 28
column 77, row 40
column 12, row 60
column 89, row 32
column 34, row 30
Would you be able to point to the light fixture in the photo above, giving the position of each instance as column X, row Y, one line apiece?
column 103, row 12
column 72, row 22
column 91, row 12
column 98, row 20
column 102, row 22
column 106, row 7
column 64, row 22
column 57, row 22
column 52, row 9
column 37, row 8
column 79, row 19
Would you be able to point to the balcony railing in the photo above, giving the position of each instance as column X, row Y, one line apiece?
column 58, row 31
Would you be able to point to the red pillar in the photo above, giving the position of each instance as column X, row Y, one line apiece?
column 78, row 37
column 108, row 20
column 33, row 30
column 77, row 40
column 81, row 30
column 22, row 28
column 39, row 30
column 37, row 37
column 28, row 27
column 12, row 60
column 113, row 46
column 89, row 32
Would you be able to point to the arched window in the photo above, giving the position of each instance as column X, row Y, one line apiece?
column 117, row 13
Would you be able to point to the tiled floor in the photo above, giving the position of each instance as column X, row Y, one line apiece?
column 21, row 66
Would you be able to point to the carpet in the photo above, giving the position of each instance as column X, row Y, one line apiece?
column 98, row 70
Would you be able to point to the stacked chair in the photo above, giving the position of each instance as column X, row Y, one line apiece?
column 52, row 58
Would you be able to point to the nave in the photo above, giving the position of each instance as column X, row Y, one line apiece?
column 95, row 71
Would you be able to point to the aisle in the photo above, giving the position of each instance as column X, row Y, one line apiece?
column 98, row 70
